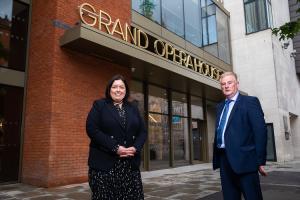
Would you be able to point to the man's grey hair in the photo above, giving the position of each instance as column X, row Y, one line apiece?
column 228, row 74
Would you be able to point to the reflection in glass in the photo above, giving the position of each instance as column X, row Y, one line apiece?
column 251, row 18
column 137, row 95
column 209, row 26
column 197, row 108
column 258, row 15
column 223, row 36
column 172, row 16
column 181, row 140
column 158, row 102
column 158, row 137
column 135, row 4
column 13, row 34
column 148, row 8
column 212, row 29
column 192, row 21
column 6, row 9
column 137, row 98
column 179, row 104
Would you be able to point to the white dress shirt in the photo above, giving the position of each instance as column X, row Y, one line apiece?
column 231, row 104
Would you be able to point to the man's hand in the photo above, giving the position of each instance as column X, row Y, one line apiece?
column 262, row 171
column 126, row 152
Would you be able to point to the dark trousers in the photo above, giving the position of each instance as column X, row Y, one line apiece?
column 234, row 185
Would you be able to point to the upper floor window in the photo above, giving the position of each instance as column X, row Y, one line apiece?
column 200, row 22
column 258, row 15
column 149, row 8
column 14, row 16
column 172, row 16
column 209, row 24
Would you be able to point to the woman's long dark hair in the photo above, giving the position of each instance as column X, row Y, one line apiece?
column 111, row 81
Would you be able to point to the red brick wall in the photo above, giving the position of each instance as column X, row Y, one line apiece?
column 61, row 87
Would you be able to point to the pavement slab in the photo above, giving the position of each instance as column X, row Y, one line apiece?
column 182, row 183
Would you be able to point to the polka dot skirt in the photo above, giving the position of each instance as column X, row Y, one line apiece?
column 119, row 183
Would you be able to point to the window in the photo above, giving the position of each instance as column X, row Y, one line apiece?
column 172, row 16
column 158, row 128
column 223, row 36
column 180, row 128
column 13, row 34
column 200, row 22
column 258, row 15
column 148, row 8
column 193, row 28
column 209, row 24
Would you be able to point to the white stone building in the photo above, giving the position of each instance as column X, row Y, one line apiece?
column 266, row 69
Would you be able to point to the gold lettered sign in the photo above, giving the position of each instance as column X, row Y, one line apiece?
column 103, row 21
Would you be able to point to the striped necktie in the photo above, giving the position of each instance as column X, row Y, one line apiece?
column 222, row 122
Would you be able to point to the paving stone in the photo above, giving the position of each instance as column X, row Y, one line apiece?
column 201, row 184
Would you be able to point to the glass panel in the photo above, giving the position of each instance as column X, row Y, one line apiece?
column 137, row 95
column 209, row 27
column 211, row 10
column 136, row 5
column 262, row 14
column 179, row 104
column 172, row 16
column 269, row 13
column 212, row 29
column 197, row 140
column 197, row 107
column 223, row 36
column 13, row 34
column 5, row 24
column 158, row 102
column 204, row 32
column 271, row 153
column 181, row 140
column 150, row 9
column 192, row 22
column 251, row 18
column 212, row 49
column 203, row 3
column 158, row 141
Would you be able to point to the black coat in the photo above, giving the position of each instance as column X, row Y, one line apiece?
column 104, row 128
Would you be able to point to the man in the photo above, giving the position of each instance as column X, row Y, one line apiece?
column 240, row 142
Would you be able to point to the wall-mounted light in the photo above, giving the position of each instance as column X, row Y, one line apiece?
column 285, row 45
column 293, row 54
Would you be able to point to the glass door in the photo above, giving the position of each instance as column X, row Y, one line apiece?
column 11, row 102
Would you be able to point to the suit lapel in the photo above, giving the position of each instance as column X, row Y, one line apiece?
column 236, row 105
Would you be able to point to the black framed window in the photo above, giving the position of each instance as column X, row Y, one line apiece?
column 271, row 150
column 209, row 23
column 258, row 15
column 14, row 16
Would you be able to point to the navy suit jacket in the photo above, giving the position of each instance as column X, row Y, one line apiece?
column 245, row 135
column 104, row 128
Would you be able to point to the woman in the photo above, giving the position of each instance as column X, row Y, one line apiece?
column 117, row 134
